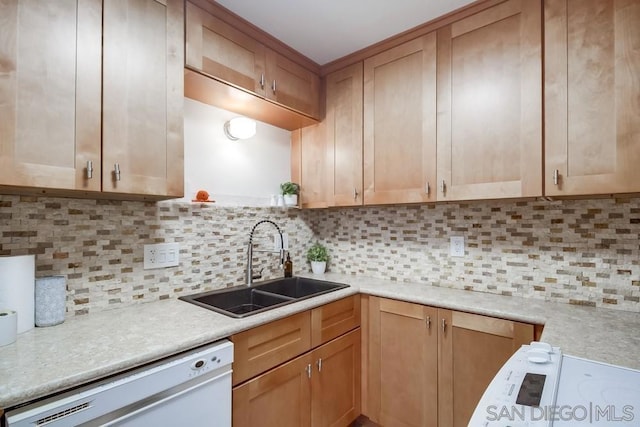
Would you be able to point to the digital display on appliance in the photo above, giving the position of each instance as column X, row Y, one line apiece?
column 530, row 392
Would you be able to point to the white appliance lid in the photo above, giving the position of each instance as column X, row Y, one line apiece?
column 597, row 394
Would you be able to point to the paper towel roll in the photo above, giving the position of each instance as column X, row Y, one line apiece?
column 8, row 326
column 17, row 283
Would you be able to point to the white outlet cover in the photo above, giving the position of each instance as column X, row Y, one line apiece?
column 161, row 255
column 276, row 241
column 456, row 248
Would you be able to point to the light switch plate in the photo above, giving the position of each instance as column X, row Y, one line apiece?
column 161, row 255
column 456, row 247
column 276, row 241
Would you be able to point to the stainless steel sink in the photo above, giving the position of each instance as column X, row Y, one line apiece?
column 242, row 301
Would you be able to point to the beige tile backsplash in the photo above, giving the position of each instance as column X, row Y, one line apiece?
column 584, row 252
column 575, row 251
column 98, row 245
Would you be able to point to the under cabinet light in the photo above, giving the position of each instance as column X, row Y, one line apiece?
column 239, row 128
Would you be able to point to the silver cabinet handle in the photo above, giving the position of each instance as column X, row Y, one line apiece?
column 308, row 369
column 116, row 171
column 262, row 81
column 444, row 325
column 355, row 193
column 89, row 169
column 319, row 363
column 427, row 188
column 556, row 176
column 428, row 322
column 273, row 86
column 443, row 187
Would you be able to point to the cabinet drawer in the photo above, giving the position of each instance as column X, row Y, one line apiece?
column 334, row 319
column 264, row 347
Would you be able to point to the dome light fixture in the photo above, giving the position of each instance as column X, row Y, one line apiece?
column 239, row 128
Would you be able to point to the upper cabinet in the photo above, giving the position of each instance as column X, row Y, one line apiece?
column 344, row 136
column 50, row 94
column 592, row 113
column 142, row 120
column 226, row 58
column 400, row 123
column 292, row 85
column 217, row 49
column 90, row 100
column 490, row 104
column 309, row 165
column 327, row 157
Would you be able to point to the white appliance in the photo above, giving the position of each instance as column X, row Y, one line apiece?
column 540, row 387
column 189, row 389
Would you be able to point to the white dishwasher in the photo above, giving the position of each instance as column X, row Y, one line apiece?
column 189, row 389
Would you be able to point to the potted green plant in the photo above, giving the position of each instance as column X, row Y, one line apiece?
column 290, row 192
column 317, row 255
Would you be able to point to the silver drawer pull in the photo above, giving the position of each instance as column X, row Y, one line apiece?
column 116, row 171
column 556, row 177
column 319, row 362
column 89, row 169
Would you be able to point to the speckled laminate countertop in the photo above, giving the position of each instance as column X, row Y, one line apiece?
column 85, row 348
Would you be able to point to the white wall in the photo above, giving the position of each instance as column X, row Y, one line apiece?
column 242, row 173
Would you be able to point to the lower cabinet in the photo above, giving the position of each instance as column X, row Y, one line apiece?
column 302, row 370
column 427, row 366
column 320, row 388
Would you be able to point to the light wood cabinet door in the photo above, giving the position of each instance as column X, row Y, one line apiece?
column 592, row 113
column 309, row 165
column 143, row 65
column 400, row 124
column 278, row 398
column 50, row 93
column 264, row 347
column 219, row 50
column 331, row 320
column 335, row 383
column 292, row 85
column 490, row 104
column 344, row 136
column 472, row 349
column 403, row 363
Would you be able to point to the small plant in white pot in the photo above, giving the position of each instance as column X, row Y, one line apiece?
column 290, row 192
column 318, row 257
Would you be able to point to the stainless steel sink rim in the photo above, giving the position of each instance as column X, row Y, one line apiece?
column 255, row 289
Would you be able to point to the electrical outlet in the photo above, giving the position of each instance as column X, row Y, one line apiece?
column 456, row 247
column 161, row 255
column 276, row 241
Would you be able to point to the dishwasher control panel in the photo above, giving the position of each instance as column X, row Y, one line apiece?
column 211, row 361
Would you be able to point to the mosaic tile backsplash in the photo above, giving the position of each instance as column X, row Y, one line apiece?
column 98, row 245
column 583, row 252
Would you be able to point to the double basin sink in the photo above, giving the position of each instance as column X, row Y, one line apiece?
column 243, row 301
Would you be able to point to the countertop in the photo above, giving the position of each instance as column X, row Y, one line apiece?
column 85, row 348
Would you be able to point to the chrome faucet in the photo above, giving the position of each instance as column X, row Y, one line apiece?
column 250, row 250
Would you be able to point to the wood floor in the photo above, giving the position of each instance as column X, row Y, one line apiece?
column 363, row 421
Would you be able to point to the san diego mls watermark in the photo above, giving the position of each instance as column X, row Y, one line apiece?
column 589, row 414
